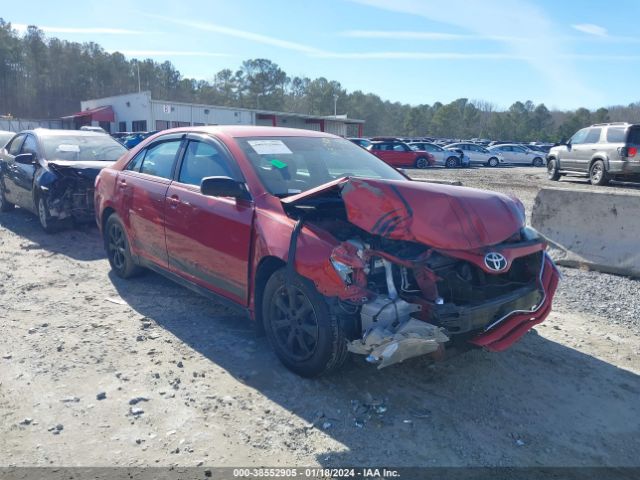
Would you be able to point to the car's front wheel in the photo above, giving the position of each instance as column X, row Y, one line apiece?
column 552, row 170
column 493, row 162
column 451, row 162
column 5, row 206
column 307, row 339
column 116, row 244
column 422, row 162
column 538, row 162
column 47, row 222
column 598, row 174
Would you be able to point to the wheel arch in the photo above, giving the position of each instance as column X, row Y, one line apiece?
column 268, row 266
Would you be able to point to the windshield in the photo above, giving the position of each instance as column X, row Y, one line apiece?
column 290, row 165
column 5, row 137
column 82, row 148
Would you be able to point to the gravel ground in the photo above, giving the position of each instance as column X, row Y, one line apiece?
column 98, row 371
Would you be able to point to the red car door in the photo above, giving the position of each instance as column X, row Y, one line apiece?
column 142, row 189
column 208, row 238
column 385, row 152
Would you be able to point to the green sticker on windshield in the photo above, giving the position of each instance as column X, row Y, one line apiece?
column 278, row 164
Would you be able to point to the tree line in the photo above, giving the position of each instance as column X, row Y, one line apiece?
column 43, row 77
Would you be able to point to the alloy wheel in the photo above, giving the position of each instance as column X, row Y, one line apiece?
column 293, row 322
column 117, row 246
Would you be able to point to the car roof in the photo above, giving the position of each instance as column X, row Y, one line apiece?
column 48, row 132
column 239, row 131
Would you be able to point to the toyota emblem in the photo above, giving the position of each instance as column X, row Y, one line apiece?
column 495, row 261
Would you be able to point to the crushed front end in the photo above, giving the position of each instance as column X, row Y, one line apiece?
column 423, row 266
column 69, row 191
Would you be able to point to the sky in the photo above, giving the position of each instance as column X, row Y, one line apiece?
column 565, row 54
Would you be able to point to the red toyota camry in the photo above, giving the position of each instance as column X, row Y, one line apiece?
column 329, row 248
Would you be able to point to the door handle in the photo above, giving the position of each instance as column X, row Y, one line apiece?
column 174, row 201
column 123, row 182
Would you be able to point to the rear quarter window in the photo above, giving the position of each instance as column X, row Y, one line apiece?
column 615, row 135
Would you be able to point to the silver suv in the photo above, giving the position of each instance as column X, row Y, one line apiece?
column 603, row 151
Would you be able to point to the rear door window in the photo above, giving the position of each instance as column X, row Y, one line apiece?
column 160, row 158
column 593, row 136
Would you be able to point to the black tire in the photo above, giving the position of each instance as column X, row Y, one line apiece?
column 307, row 339
column 422, row 163
column 451, row 162
column 538, row 162
column 493, row 162
column 5, row 206
column 552, row 170
column 116, row 244
column 47, row 222
column 598, row 174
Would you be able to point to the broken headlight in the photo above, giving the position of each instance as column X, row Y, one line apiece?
column 344, row 271
column 529, row 234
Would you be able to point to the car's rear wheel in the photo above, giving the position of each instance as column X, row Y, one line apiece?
column 116, row 244
column 598, row 174
column 451, row 162
column 5, row 206
column 493, row 162
column 47, row 222
column 422, row 162
column 552, row 170
column 307, row 339
column 538, row 162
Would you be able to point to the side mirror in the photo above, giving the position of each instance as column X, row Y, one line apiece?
column 222, row 187
column 25, row 159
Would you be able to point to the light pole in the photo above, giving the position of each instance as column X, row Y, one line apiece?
column 335, row 104
column 138, row 68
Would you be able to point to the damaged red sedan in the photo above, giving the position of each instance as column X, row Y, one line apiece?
column 327, row 247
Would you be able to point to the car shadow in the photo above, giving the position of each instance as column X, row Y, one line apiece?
column 539, row 403
column 80, row 242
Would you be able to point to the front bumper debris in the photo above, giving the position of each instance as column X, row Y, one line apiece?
column 504, row 333
column 386, row 346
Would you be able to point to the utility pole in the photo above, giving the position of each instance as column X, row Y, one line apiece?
column 138, row 67
column 335, row 104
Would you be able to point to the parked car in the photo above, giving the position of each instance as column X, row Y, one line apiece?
column 135, row 138
column 518, row 154
column 447, row 158
column 89, row 128
column 399, row 154
column 5, row 136
column 478, row 155
column 363, row 142
column 51, row 173
column 603, row 151
column 326, row 247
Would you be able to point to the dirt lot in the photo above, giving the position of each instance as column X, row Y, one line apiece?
column 187, row 382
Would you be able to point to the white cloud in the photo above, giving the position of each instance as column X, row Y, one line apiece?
column 22, row 27
column 233, row 32
column 414, row 35
column 403, row 35
column 527, row 32
column 591, row 29
column 168, row 53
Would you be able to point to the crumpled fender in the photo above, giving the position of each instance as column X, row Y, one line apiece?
column 314, row 247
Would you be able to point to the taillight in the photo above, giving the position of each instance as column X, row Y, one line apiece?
column 631, row 151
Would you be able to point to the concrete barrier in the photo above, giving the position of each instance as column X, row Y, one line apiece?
column 599, row 230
